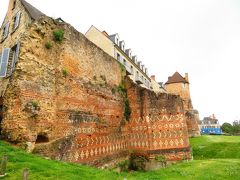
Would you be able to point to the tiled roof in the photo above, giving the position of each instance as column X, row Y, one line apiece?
column 176, row 78
column 33, row 12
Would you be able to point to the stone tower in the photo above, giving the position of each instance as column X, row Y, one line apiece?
column 177, row 84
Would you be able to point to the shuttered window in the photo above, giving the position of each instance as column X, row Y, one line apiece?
column 5, row 31
column 15, row 51
column 16, row 20
column 4, row 62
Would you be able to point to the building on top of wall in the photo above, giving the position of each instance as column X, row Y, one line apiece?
column 157, row 87
column 210, row 125
column 115, row 47
column 177, row 84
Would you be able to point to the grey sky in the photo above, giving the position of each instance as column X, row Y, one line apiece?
column 201, row 37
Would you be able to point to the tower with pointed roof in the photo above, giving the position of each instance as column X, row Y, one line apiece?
column 177, row 84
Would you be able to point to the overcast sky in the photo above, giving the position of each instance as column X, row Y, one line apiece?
column 201, row 37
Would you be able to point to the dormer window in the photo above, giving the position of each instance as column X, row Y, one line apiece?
column 117, row 40
column 129, row 53
column 5, row 31
column 16, row 20
column 122, row 45
column 14, row 4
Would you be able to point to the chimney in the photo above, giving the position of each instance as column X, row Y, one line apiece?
column 186, row 77
column 153, row 77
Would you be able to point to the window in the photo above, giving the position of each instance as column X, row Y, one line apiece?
column 131, row 69
column 118, row 57
column 8, row 60
column 5, row 31
column 4, row 62
column 117, row 41
column 14, row 4
column 16, row 21
column 14, row 55
column 124, row 61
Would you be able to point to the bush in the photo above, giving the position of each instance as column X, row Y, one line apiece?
column 35, row 104
column 123, row 165
column 58, row 35
column 65, row 72
column 48, row 45
column 161, row 159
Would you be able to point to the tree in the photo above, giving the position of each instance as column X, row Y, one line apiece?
column 227, row 128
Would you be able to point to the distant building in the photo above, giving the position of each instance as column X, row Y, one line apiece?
column 116, row 48
column 210, row 125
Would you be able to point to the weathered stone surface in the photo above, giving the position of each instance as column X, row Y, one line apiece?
column 65, row 103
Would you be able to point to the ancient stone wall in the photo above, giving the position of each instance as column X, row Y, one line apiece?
column 67, row 102
column 183, row 90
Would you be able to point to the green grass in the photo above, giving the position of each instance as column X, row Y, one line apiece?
column 215, row 147
column 215, row 157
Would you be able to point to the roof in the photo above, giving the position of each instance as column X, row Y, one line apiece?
column 176, row 78
column 33, row 12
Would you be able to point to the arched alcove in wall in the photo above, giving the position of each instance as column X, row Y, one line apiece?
column 42, row 138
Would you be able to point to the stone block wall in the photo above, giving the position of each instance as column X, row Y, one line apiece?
column 65, row 103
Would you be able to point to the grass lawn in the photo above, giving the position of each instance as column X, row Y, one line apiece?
column 215, row 157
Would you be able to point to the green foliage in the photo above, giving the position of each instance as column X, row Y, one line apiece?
column 113, row 90
column 127, row 110
column 35, row 104
column 65, row 72
column 208, row 168
column 229, row 129
column 122, row 89
column 123, row 165
column 58, row 35
column 208, row 147
column 48, row 45
column 162, row 160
